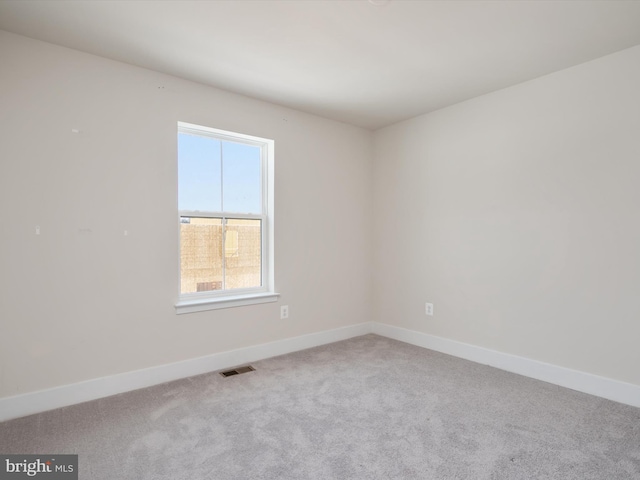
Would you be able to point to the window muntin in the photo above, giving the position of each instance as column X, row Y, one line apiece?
column 223, row 208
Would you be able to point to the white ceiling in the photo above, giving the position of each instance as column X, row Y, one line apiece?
column 366, row 62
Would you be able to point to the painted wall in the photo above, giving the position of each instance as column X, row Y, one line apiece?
column 78, row 304
column 517, row 215
column 514, row 213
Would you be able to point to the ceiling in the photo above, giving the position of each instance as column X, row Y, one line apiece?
column 369, row 63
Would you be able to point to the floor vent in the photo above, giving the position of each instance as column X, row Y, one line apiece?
column 237, row 371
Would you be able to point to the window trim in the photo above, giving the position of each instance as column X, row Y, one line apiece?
column 210, row 303
column 211, row 300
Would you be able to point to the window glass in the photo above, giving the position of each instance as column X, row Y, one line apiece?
column 243, row 249
column 199, row 173
column 242, row 178
column 201, row 266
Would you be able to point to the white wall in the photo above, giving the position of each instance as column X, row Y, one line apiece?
column 76, row 305
column 517, row 215
column 514, row 213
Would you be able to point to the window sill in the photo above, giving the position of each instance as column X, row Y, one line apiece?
column 203, row 304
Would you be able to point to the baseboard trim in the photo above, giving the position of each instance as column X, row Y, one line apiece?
column 43, row 400
column 615, row 390
column 66, row 395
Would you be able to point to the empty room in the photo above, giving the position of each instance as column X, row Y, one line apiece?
column 320, row 239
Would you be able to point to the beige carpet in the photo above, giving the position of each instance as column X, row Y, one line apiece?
column 366, row 408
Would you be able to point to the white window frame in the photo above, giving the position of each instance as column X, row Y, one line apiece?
column 211, row 300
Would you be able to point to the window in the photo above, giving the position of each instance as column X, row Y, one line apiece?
column 225, row 206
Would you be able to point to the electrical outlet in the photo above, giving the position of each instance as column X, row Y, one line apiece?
column 428, row 309
column 284, row 312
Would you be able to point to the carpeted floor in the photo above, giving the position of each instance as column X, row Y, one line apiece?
column 365, row 408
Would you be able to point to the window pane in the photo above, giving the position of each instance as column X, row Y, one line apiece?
column 243, row 253
column 200, row 254
column 241, row 184
column 199, row 177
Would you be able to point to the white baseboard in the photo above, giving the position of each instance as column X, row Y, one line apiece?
column 40, row 401
column 615, row 390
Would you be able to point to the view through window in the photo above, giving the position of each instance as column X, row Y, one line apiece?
column 223, row 214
